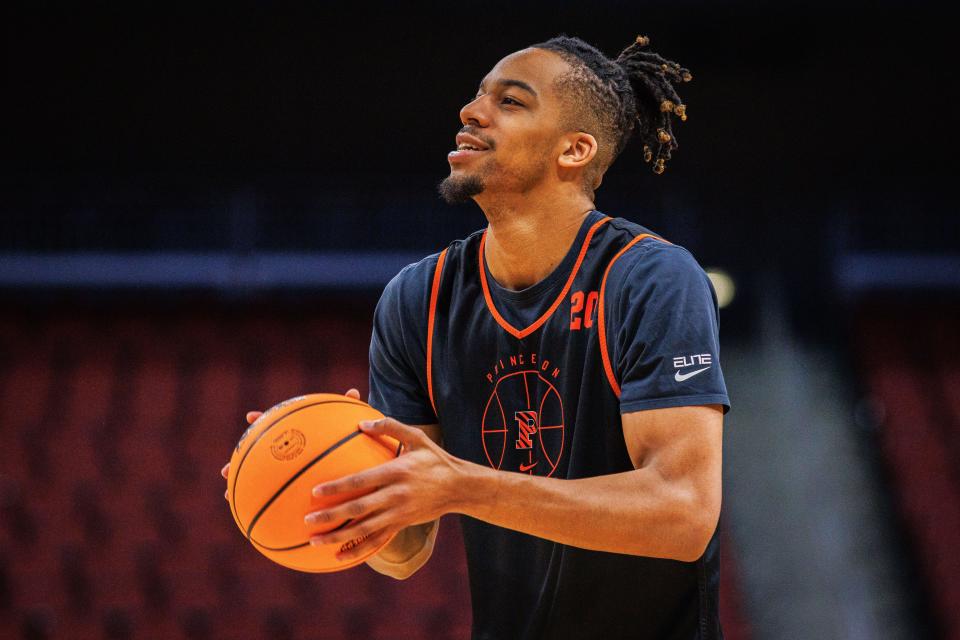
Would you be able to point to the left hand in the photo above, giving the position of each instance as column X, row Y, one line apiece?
column 417, row 487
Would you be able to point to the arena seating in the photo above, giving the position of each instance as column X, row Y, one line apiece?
column 112, row 517
column 910, row 355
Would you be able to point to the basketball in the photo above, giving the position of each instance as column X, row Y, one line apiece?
column 291, row 448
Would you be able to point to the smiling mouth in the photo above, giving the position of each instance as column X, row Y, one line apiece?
column 464, row 152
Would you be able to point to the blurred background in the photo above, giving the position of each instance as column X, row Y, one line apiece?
column 201, row 204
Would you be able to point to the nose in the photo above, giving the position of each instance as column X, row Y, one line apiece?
column 474, row 113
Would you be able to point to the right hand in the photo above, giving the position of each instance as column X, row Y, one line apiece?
column 252, row 417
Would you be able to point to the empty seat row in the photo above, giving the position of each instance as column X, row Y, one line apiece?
column 909, row 355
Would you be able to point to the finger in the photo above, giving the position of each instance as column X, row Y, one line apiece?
column 225, row 471
column 253, row 415
column 363, row 547
column 351, row 509
column 409, row 437
column 353, row 393
column 356, row 529
column 374, row 477
column 226, row 495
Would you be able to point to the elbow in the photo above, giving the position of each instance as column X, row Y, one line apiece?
column 396, row 570
column 695, row 547
column 410, row 567
column 398, row 563
column 403, row 574
column 700, row 524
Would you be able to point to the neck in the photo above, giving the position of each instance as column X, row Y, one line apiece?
column 528, row 236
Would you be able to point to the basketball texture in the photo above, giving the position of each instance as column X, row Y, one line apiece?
column 291, row 448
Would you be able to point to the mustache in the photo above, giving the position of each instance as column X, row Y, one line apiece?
column 471, row 131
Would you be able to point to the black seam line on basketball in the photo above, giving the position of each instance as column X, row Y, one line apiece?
column 296, row 546
column 236, row 476
column 336, row 445
column 303, row 544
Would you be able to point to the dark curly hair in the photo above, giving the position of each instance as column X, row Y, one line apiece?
column 610, row 99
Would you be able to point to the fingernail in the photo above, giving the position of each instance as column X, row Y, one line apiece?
column 366, row 424
column 310, row 518
column 317, row 491
column 316, row 541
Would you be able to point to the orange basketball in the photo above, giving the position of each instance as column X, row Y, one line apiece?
column 291, row 448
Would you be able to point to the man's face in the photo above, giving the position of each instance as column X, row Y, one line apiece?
column 514, row 119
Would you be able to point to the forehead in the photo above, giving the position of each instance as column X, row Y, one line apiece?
column 537, row 67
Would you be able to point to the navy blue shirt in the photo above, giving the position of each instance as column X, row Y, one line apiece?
column 535, row 381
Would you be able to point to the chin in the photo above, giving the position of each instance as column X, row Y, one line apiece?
column 458, row 188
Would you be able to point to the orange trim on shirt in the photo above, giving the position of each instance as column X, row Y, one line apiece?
column 522, row 333
column 434, row 291
column 601, row 323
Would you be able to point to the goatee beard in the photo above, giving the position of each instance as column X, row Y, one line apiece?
column 457, row 190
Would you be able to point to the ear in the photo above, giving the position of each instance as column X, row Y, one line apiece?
column 578, row 151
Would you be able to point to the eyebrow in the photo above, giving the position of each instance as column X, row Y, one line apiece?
column 520, row 84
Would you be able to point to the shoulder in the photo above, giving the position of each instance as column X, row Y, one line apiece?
column 650, row 275
column 413, row 280
column 659, row 283
column 645, row 257
column 655, row 262
column 410, row 288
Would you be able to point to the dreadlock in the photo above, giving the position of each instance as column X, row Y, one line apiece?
column 612, row 98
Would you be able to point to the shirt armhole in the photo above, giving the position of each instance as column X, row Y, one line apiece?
column 601, row 315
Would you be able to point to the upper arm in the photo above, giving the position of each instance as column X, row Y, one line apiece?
column 683, row 445
column 663, row 331
column 664, row 337
column 398, row 385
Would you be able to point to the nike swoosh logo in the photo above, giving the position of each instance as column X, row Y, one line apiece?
column 527, row 467
column 680, row 377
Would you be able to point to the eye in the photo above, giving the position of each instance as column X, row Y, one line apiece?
column 511, row 100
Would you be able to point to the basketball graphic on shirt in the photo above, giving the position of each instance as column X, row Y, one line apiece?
column 523, row 427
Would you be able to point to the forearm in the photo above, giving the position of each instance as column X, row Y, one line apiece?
column 635, row 512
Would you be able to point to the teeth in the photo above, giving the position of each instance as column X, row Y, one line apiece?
column 467, row 146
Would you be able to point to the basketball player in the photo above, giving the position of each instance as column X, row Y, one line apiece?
column 561, row 368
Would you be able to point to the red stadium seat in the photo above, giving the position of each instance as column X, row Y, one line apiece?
column 124, row 531
column 917, row 381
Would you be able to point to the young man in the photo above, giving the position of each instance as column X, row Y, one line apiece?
column 561, row 368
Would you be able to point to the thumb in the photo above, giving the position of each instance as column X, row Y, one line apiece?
column 408, row 436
